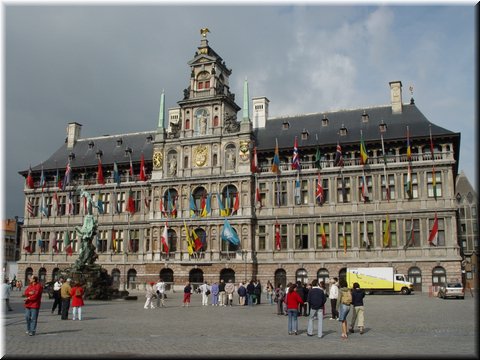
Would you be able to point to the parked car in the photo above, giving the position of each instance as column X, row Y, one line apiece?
column 451, row 290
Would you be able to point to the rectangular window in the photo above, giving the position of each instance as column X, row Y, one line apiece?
column 318, row 235
column 412, row 240
column 134, row 241
column 262, row 237
column 121, row 196
column 102, row 241
column 344, row 235
column 343, row 189
column 283, row 236
column 147, row 240
column 106, row 203
column 390, row 187
column 119, row 241
column 441, row 231
column 325, row 183
column 414, row 186
column 280, row 193
column 32, row 241
column 368, row 188
column 263, row 192
column 301, row 236
column 438, row 184
column 62, row 202
column 200, row 85
column 59, row 236
column 304, row 192
column 207, row 84
column 36, row 206
column 393, row 233
column 369, row 241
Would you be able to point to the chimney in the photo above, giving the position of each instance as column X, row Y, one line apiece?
column 260, row 111
column 396, row 96
column 73, row 134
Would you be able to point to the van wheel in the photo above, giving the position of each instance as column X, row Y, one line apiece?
column 405, row 291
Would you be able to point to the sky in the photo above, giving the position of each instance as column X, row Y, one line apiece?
column 105, row 67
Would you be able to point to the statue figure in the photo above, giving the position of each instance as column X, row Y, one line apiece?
column 87, row 195
column 172, row 168
column 86, row 233
column 203, row 125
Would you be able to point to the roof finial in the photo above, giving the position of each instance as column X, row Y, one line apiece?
column 246, row 101
column 411, row 93
column 161, row 113
column 204, row 32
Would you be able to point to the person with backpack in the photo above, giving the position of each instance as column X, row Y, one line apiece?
column 76, row 293
column 344, row 300
column 358, row 309
column 316, row 299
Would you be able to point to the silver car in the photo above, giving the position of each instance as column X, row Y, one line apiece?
column 451, row 290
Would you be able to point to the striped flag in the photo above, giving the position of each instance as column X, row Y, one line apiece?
column 323, row 235
column 409, row 184
column 363, row 150
column 67, row 245
column 258, row 197
column 319, row 195
column 26, row 245
column 114, row 240
column 43, row 207
column 338, row 156
column 190, row 243
column 165, row 239
column 30, row 207
column 409, row 149
column 196, row 240
column 276, row 160
column 296, row 158
column 277, row 236
column 254, row 165
column 193, row 208
column 142, row 175
column 236, row 203
column 433, row 237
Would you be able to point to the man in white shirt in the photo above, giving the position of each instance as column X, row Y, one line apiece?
column 160, row 290
column 57, row 299
column 203, row 290
column 333, row 295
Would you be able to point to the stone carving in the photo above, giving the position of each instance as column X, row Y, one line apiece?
column 244, row 150
column 231, row 124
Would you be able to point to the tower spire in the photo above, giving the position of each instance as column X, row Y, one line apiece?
column 161, row 113
column 246, row 110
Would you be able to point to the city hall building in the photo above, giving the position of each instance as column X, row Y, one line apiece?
column 218, row 191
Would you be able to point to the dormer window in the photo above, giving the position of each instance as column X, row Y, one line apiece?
column 325, row 120
column 128, row 151
column 285, row 125
column 203, row 80
column 343, row 130
column 99, row 154
column 382, row 127
column 365, row 117
column 149, row 139
column 305, row 134
column 71, row 156
column 119, row 142
column 91, row 144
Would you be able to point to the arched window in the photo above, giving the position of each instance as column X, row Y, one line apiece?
column 170, row 199
column 42, row 275
column 116, row 278
column 227, row 274
column 198, row 194
column 301, row 275
column 415, row 277
column 323, row 275
column 167, row 276
column 172, row 240
column 55, row 274
column 28, row 274
column 187, row 124
column 280, row 278
column 229, row 194
column 342, row 275
column 195, row 277
column 215, row 121
column 131, row 279
column 439, row 276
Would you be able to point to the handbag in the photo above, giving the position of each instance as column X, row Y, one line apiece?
column 207, row 292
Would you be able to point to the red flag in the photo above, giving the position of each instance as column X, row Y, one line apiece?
column 30, row 208
column 142, row 169
column 29, row 180
column 197, row 241
column 236, row 204
column 319, row 194
column 258, row 197
column 165, row 239
column 130, row 203
column 277, row 236
column 433, row 237
column 254, row 164
column 100, row 179
column 26, row 245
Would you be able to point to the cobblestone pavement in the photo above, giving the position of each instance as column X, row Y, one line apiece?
column 395, row 326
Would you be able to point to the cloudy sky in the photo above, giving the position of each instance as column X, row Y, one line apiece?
column 105, row 67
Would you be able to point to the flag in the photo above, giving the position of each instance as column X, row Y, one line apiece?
column 297, row 190
column 433, row 237
column 319, row 195
column 162, row 207
column 67, row 244
column 383, row 151
column 254, row 165
column 236, row 204
column 100, row 204
column 296, row 158
column 67, row 176
column 43, row 182
column 258, row 197
column 43, row 207
column 386, row 233
column 344, row 239
column 411, row 236
column 196, row 240
column 318, row 158
column 114, row 241
column 364, row 188
column 203, row 203
column 55, row 204
column 143, row 177
column 100, row 179
column 173, row 209
column 277, row 236
column 58, row 181
column 53, row 240
column 131, row 168
column 165, row 239
column 365, row 233
column 409, row 185
column 29, row 180
column 146, row 199
column 227, row 203
column 338, row 156
column 323, row 235
column 190, row 244
column 30, row 207
column 434, row 182
column 70, row 204
column 116, row 174
column 276, row 160
column 193, row 208
column 228, row 234
column 207, row 208
column 115, row 209
column 409, row 149
column 130, row 203
column 363, row 150
column 40, row 240
column 26, row 245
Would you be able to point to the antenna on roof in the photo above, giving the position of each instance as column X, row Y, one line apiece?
column 411, row 93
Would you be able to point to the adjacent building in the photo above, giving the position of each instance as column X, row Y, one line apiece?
column 218, row 191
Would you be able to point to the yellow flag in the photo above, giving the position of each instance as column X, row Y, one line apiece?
column 189, row 241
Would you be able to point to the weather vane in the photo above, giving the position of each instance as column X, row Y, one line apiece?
column 204, row 32
column 411, row 89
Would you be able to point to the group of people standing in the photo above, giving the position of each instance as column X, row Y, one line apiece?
column 155, row 290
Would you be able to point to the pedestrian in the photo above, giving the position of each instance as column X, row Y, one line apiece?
column 306, row 306
column 57, row 299
column 205, row 291
column 13, row 283
column 65, row 291
column 6, row 294
column 149, row 293
column 33, row 300
column 344, row 299
column 301, row 291
column 358, row 309
column 316, row 299
column 324, row 288
column 215, row 291
column 242, row 293
column 76, row 294
column 19, row 285
column 293, row 300
column 251, row 293
column 258, row 291
column 160, row 291
column 270, row 292
column 221, row 293
column 333, row 295
column 229, row 290
column 279, row 296
column 187, row 293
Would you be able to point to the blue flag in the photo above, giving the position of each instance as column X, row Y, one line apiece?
column 228, row 234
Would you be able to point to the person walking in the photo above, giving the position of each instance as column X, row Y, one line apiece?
column 258, row 292
column 187, row 293
column 316, row 299
column 6, row 294
column 333, row 295
column 65, row 291
column 229, row 290
column 57, row 299
column 293, row 301
column 205, row 291
column 19, row 285
column 301, row 291
column 160, row 291
column 33, row 301
column 221, row 293
column 76, row 294
column 215, row 291
column 358, row 308
column 242, row 293
column 149, row 293
column 279, row 296
column 270, row 292
column 344, row 299
column 251, row 293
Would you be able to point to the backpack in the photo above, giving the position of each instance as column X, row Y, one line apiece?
column 78, row 292
column 346, row 297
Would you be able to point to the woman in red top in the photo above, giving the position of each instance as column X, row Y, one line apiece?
column 33, row 300
column 77, row 300
column 293, row 299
